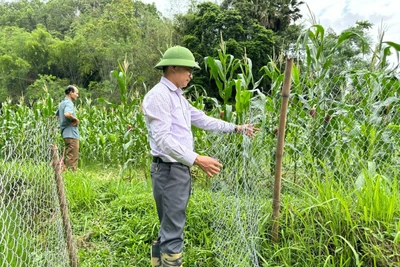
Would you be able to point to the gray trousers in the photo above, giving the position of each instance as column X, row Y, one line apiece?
column 171, row 191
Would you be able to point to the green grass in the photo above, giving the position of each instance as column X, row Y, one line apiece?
column 14, row 247
column 324, row 222
column 26, row 204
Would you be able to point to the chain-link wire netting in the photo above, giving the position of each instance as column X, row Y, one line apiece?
column 339, row 125
column 342, row 124
column 240, row 193
column 31, row 227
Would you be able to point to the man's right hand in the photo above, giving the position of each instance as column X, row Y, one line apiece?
column 209, row 165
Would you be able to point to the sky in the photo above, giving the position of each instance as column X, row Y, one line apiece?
column 342, row 14
column 335, row 14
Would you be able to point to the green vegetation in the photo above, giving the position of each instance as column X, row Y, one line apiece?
column 324, row 222
column 74, row 42
column 27, row 199
column 340, row 194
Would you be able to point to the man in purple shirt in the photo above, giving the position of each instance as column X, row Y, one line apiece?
column 169, row 117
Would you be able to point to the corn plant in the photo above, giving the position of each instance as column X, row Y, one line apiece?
column 223, row 70
column 232, row 76
column 115, row 133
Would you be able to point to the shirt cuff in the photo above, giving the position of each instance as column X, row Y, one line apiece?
column 190, row 158
column 232, row 128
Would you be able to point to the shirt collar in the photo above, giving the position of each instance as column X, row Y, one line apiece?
column 170, row 85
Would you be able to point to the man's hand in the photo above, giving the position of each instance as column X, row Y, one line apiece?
column 75, row 122
column 247, row 129
column 209, row 165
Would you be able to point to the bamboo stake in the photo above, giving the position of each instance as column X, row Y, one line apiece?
column 279, row 148
column 63, row 206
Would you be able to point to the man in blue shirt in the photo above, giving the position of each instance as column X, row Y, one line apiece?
column 69, row 127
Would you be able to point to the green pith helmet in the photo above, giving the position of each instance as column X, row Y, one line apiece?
column 178, row 56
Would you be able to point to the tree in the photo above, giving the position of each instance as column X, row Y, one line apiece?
column 37, row 50
column 352, row 53
column 203, row 28
column 22, row 14
column 14, row 68
column 124, row 29
column 276, row 15
column 59, row 16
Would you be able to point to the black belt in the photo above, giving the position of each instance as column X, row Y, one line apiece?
column 159, row 160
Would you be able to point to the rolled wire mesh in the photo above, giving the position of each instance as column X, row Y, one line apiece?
column 31, row 228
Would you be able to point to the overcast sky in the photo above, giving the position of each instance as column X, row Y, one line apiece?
column 336, row 14
column 341, row 14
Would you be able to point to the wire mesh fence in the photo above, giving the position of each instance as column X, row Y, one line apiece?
column 31, row 227
column 343, row 122
column 240, row 195
column 339, row 125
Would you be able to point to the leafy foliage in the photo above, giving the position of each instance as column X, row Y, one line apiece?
column 78, row 41
column 204, row 28
column 341, row 201
column 323, row 221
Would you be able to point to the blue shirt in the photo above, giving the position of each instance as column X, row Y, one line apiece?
column 67, row 131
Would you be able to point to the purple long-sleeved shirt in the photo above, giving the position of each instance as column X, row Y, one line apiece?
column 169, row 117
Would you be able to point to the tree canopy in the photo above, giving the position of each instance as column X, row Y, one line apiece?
column 236, row 24
column 58, row 42
column 78, row 41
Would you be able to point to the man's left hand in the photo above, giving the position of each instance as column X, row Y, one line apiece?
column 247, row 129
column 75, row 122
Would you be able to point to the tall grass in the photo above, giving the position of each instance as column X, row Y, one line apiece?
column 115, row 220
column 328, row 222
column 324, row 222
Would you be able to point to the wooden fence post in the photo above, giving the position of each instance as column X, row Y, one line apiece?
column 63, row 206
column 279, row 148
